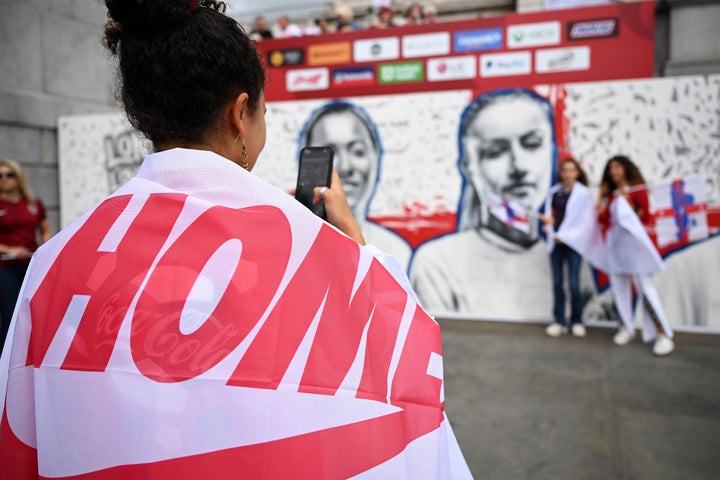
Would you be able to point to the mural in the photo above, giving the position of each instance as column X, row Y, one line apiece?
column 417, row 187
column 452, row 182
column 506, row 159
column 97, row 154
column 469, row 210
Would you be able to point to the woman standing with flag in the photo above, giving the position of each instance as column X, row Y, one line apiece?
column 631, row 256
column 569, row 212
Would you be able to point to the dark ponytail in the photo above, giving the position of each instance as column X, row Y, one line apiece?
column 180, row 63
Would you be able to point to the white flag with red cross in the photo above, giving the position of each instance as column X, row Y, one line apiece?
column 680, row 207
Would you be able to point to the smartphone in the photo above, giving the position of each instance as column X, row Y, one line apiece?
column 316, row 164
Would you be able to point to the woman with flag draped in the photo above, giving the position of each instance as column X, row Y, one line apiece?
column 630, row 256
column 569, row 227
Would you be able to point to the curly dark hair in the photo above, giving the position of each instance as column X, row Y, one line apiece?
column 180, row 63
column 632, row 174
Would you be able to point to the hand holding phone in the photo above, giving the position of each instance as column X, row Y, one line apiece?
column 316, row 164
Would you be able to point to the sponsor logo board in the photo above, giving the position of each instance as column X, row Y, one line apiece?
column 329, row 53
column 353, row 77
column 605, row 27
column 562, row 59
column 284, row 58
column 307, row 79
column 505, row 64
column 562, row 4
column 387, row 48
column 401, row 72
column 478, row 40
column 426, row 45
column 533, row 34
column 451, row 68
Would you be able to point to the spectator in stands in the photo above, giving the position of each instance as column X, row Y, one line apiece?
column 287, row 29
column 430, row 12
column 385, row 18
column 414, row 15
column 345, row 20
column 319, row 27
column 260, row 30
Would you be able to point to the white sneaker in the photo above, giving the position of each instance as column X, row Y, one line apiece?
column 555, row 330
column 578, row 330
column 623, row 337
column 663, row 346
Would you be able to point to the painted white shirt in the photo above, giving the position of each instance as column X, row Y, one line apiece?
column 467, row 272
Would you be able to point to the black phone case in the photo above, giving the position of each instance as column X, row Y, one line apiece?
column 315, row 170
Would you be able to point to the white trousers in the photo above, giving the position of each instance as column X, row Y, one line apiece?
column 648, row 299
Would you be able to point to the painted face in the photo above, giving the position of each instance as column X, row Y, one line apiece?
column 355, row 153
column 509, row 149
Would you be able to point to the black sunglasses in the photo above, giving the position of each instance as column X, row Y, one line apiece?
column 8, row 174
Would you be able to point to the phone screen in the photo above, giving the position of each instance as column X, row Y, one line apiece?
column 316, row 165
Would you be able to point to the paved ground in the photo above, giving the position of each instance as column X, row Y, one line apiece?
column 526, row 406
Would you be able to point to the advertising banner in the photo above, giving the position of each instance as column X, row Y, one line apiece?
column 607, row 42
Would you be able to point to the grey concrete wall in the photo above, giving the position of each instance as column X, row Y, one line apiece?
column 52, row 63
column 694, row 43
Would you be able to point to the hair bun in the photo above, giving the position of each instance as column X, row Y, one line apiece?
column 144, row 18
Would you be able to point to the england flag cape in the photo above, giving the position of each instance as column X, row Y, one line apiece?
column 200, row 323
column 579, row 229
column 628, row 249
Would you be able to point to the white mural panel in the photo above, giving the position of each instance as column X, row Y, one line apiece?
column 97, row 153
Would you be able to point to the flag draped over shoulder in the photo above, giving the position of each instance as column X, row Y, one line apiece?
column 200, row 323
column 628, row 248
column 579, row 229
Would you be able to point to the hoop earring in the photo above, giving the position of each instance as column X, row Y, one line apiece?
column 243, row 155
column 236, row 137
